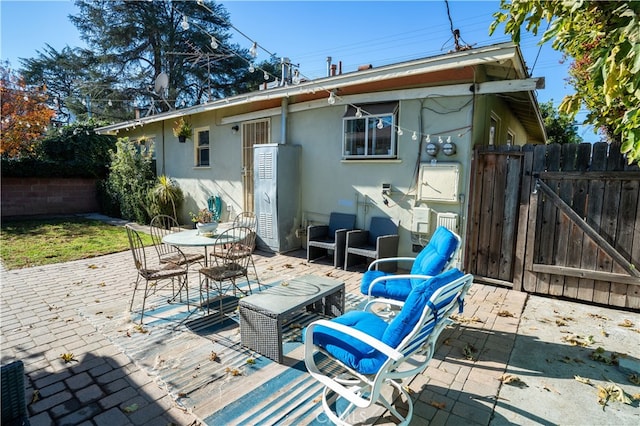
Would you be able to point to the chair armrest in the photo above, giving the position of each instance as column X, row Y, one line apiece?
column 370, row 303
column 397, row 277
column 373, row 264
column 356, row 334
column 357, row 237
column 315, row 231
column 387, row 245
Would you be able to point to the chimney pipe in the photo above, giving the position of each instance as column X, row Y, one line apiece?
column 333, row 69
column 328, row 66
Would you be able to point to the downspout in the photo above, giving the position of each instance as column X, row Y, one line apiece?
column 285, row 116
column 163, row 150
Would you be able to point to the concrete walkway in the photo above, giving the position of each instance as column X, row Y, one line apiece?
column 542, row 343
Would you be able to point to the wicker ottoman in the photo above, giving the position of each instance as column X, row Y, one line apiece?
column 262, row 315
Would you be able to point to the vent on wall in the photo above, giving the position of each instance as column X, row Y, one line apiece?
column 448, row 220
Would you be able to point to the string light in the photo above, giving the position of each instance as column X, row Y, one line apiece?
column 400, row 132
column 252, row 68
column 214, row 43
column 414, row 136
column 266, row 75
column 253, row 51
column 380, row 124
column 184, row 24
column 359, row 112
column 332, row 98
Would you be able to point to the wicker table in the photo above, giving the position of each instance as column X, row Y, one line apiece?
column 262, row 315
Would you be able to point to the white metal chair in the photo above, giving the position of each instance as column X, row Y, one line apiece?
column 359, row 357
column 156, row 272
column 437, row 256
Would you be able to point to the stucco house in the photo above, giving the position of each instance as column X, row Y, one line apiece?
column 395, row 140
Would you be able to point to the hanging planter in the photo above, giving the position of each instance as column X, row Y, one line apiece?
column 182, row 130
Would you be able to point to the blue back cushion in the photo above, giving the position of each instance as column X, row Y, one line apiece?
column 341, row 221
column 435, row 255
column 381, row 226
column 414, row 305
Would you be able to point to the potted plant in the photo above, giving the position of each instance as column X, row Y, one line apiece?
column 182, row 129
column 204, row 221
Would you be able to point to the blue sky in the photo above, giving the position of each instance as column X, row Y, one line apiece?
column 351, row 32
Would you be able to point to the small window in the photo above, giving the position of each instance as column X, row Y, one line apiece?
column 494, row 129
column 511, row 137
column 202, row 147
column 369, row 131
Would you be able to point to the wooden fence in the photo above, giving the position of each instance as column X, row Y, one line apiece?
column 561, row 220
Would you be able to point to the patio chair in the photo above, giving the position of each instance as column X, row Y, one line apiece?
column 434, row 258
column 162, row 225
column 156, row 273
column 359, row 357
column 322, row 239
column 247, row 220
column 14, row 408
column 380, row 241
column 230, row 261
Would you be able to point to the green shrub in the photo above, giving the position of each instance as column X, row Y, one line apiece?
column 129, row 181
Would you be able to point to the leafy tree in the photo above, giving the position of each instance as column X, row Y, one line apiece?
column 25, row 115
column 130, row 179
column 130, row 43
column 604, row 40
column 560, row 127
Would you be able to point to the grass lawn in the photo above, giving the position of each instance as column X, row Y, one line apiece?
column 40, row 242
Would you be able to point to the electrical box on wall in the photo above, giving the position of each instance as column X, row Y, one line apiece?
column 439, row 182
column 421, row 220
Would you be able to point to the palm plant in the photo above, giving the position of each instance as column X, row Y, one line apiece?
column 165, row 195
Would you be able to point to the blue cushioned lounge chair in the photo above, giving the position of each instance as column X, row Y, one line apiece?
column 432, row 259
column 359, row 354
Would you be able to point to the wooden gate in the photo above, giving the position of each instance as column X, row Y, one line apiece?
column 562, row 220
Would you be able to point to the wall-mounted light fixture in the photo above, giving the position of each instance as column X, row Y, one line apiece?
column 235, row 129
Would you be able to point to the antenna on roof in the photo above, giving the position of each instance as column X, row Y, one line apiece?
column 455, row 33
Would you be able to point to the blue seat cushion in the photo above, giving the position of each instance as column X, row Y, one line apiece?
column 396, row 289
column 412, row 309
column 352, row 352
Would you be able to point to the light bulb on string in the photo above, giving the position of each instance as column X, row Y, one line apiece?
column 253, row 51
column 214, row 43
column 266, row 75
column 110, row 103
column 414, row 136
column 427, row 139
column 296, row 77
column 332, row 98
column 400, row 132
column 380, row 124
column 184, row 24
column 440, row 139
column 252, row 68
column 358, row 112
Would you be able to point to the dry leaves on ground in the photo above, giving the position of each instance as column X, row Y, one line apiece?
column 577, row 340
column 513, row 380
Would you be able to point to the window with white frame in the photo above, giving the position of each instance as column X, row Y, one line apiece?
column 494, row 128
column 369, row 131
column 201, row 147
column 511, row 137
